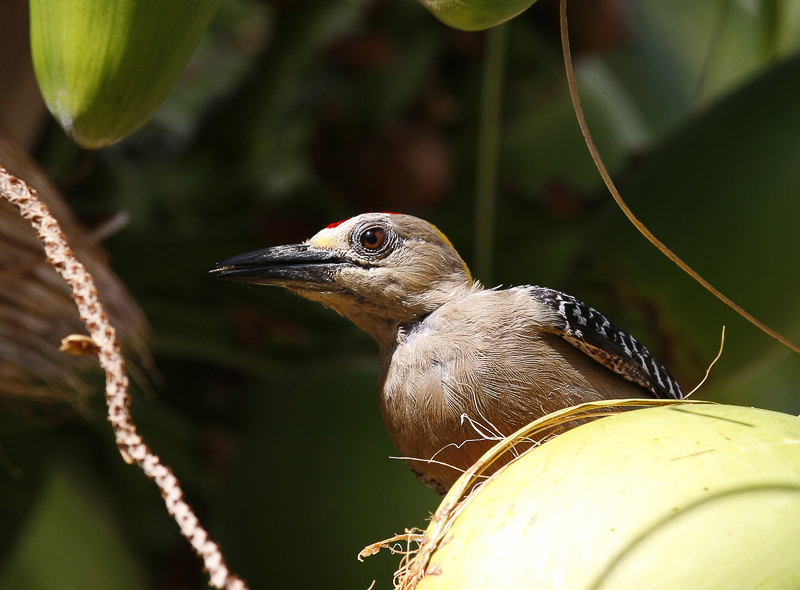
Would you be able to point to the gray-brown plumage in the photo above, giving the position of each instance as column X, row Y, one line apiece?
column 460, row 364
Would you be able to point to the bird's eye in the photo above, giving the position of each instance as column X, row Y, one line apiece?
column 373, row 238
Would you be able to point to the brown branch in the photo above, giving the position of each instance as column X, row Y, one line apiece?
column 598, row 161
column 131, row 445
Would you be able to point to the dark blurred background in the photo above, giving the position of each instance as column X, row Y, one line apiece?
column 297, row 113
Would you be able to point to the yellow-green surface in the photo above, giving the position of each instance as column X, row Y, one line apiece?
column 701, row 497
column 104, row 68
column 71, row 542
column 475, row 15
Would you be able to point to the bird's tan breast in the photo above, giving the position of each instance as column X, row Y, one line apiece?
column 480, row 368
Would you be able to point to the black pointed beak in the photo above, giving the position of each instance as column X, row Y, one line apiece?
column 298, row 265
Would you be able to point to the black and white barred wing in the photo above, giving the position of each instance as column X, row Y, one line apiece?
column 592, row 333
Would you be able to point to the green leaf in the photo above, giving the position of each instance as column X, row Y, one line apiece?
column 722, row 193
column 475, row 15
column 104, row 68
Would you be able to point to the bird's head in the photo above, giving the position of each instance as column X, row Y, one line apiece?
column 380, row 270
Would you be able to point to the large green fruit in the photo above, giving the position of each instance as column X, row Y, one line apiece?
column 475, row 15
column 688, row 496
column 105, row 66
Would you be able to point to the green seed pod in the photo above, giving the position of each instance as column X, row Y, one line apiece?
column 104, row 67
column 689, row 496
column 475, row 15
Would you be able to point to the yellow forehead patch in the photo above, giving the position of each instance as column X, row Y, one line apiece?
column 323, row 239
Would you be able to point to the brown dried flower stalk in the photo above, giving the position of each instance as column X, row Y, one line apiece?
column 131, row 445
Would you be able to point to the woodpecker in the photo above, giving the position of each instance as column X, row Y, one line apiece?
column 460, row 364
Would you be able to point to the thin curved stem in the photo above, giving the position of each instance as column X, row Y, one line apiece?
column 488, row 144
column 576, row 102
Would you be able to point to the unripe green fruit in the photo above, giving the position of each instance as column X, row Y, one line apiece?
column 475, row 15
column 705, row 497
column 105, row 66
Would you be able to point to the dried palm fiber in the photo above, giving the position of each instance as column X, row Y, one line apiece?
column 36, row 310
